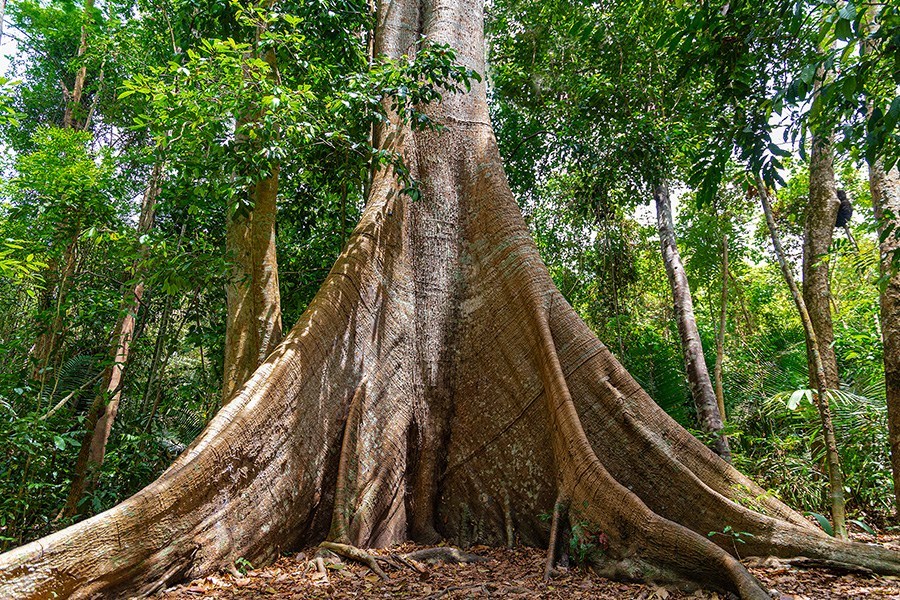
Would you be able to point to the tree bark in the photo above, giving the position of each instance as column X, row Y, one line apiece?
column 253, row 325
column 720, row 334
column 691, row 347
column 103, row 410
column 821, row 215
column 832, row 458
column 469, row 379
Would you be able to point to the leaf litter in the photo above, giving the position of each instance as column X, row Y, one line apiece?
column 507, row 573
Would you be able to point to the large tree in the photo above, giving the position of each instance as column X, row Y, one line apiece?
column 437, row 378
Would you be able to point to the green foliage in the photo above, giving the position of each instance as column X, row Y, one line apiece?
column 823, row 522
column 862, row 525
column 243, row 565
column 14, row 266
column 587, row 543
column 734, row 537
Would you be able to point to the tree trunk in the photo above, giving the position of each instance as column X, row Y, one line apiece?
column 253, row 324
column 74, row 103
column 2, row 17
column 691, row 347
column 885, row 188
column 821, row 215
column 103, row 410
column 720, row 334
column 832, row 458
column 437, row 372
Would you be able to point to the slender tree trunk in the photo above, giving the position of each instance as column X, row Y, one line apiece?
column 438, row 331
column 885, row 188
column 821, row 215
column 70, row 117
column 48, row 340
column 720, row 334
column 691, row 347
column 103, row 410
column 832, row 458
column 253, row 325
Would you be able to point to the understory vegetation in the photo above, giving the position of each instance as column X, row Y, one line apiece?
column 113, row 110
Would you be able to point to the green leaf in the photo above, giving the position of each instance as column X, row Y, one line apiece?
column 843, row 30
column 808, row 73
column 863, row 526
column 824, row 523
column 59, row 442
column 849, row 86
column 848, row 12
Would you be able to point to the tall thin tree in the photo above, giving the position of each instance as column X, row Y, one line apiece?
column 691, row 346
column 832, row 458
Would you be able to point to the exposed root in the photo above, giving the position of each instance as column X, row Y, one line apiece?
column 446, row 554
column 560, row 507
column 477, row 587
column 508, row 521
column 354, row 553
column 646, row 546
column 802, row 562
column 412, row 564
column 233, row 570
column 340, row 520
column 319, row 564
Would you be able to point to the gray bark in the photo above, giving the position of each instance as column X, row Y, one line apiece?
column 691, row 347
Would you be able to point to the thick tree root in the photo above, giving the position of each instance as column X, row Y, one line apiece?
column 802, row 562
column 644, row 546
column 411, row 563
column 354, row 553
column 340, row 520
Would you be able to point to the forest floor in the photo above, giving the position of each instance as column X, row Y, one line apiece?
column 508, row 574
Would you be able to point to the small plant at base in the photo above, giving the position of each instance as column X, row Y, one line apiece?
column 737, row 537
column 243, row 565
column 586, row 543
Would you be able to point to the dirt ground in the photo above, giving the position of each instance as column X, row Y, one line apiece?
column 515, row 573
